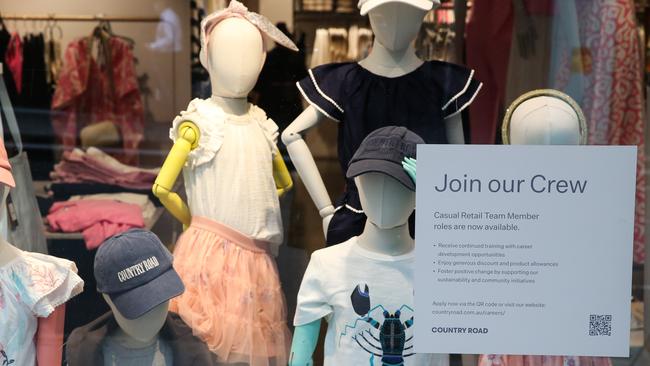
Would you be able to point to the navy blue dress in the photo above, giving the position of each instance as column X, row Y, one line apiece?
column 362, row 102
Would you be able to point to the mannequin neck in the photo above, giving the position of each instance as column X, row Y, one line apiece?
column 389, row 63
column 7, row 252
column 236, row 106
column 127, row 341
column 394, row 241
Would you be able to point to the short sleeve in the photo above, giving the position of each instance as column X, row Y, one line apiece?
column 323, row 89
column 49, row 282
column 269, row 127
column 312, row 298
column 459, row 88
column 209, row 121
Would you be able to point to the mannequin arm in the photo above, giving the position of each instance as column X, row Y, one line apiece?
column 49, row 338
column 454, row 128
column 172, row 167
column 281, row 175
column 410, row 166
column 304, row 162
column 304, row 342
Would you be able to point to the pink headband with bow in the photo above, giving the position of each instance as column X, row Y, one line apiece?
column 239, row 10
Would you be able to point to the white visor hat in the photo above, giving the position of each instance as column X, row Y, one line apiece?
column 367, row 5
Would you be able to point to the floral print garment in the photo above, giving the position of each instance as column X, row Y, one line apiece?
column 89, row 92
column 611, row 86
column 31, row 286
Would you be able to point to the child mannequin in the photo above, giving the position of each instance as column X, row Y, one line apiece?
column 233, row 175
column 350, row 283
column 544, row 117
column 33, row 291
column 390, row 87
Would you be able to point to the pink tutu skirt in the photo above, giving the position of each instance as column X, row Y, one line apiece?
column 511, row 360
column 233, row 300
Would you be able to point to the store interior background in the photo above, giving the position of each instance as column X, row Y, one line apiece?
column 168, row 89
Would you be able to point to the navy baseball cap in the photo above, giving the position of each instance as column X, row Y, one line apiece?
column 135, row 270
column 383, row 151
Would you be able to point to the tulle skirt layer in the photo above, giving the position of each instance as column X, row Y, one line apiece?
column 233, row 299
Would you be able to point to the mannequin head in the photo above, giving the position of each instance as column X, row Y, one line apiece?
column 396, row 24
column 544, row 117
column 235, row 56
column 144, row 328
column 386, row 202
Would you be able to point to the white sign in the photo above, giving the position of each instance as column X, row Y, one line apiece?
column 524, row 249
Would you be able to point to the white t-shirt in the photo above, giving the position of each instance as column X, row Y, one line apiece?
column 359, row 292
column 229, row 176
column 32, row 285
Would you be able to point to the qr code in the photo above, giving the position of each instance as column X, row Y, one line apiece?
column 600, row 325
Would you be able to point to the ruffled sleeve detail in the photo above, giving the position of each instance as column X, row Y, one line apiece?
column 44, row 282
column 210, row 122
column 459, row 87
column 323, row 88
column 270, row 129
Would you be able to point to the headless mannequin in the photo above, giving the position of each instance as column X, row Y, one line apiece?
column 235, row 58
column 49, row 335
column 395, row 26
column 140, row 332
column 388, row 205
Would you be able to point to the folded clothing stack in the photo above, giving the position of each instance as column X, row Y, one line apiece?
column 96, row 219
column 141, row 200
column 95, row 166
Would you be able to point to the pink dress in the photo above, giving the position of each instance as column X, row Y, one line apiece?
column 233, row 299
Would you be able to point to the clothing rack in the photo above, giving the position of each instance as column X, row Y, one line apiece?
column 95, row 18
column 80, row 18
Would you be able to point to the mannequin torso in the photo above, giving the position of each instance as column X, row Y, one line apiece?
column 233, row 75
column 388, row 205
column 395, row 25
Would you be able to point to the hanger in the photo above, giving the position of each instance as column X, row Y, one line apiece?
column 3, row 26
column 50, row 27
column 104, row 29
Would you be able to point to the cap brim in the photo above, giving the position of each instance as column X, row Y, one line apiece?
column 381, row 166
column 7, row 178
column 420, row 4
column 138, row 301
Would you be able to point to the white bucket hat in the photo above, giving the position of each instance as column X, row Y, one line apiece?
column 367, row 5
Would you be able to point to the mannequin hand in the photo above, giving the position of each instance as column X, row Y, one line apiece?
column 409, row 165
column 326, row 223
column 292, row 362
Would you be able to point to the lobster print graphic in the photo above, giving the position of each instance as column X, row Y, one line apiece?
column 390, row 342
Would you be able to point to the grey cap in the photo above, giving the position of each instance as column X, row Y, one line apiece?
column 135, row 270
column 383, row 151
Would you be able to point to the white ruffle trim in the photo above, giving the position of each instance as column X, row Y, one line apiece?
column 211, row 119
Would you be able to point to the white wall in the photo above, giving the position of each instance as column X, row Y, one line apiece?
column 278, row 11
column 169, row 73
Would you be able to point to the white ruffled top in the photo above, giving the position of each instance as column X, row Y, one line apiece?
column 32, row 285
column 229, row 176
